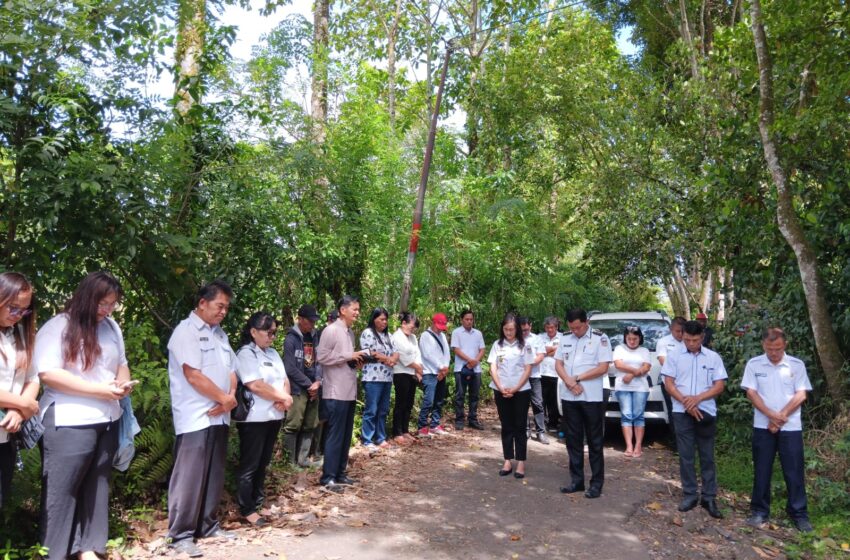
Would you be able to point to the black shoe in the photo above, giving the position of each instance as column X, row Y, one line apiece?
column 476, row 426
column 572, row 488
column 756, row 520
column 519, row 475
column 459, row 427
column 332, row 486
column 506, row 472
column 220, row 533
column 593, row 493
column 688, row 503
column 187, row 547
column 346, row 480
column 803, row 525
column 710, row 505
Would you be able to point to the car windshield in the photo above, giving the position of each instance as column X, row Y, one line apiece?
column 653, row 329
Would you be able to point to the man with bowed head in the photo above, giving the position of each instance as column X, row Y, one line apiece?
column 339, row 390
column 202, row 379
column 468, row 345
column 776, row 384
column 694, row 375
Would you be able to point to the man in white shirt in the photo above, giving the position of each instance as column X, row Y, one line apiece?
column 669, row 344
column 436, row 357
column 581, row 360
column 694, row 376
column 550, row 339
column 537, row 426
column 776, row 384
column 468, row 345
column 202, row 379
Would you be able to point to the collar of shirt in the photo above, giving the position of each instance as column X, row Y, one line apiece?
column 684, row 350
column 783, row 362
column 198, row 323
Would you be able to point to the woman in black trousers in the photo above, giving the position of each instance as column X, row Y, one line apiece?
column 260, row 368
column 510, row 367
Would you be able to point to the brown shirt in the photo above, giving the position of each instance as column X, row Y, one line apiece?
column 336, row 346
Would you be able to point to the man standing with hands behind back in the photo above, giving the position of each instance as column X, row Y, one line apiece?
column 339, row 390
column 202, row 379
column 694, row 375
column 468, row 344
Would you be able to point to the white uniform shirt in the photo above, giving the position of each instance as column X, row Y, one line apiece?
column 435, row 355
column 666, row 345
column 694, row 374
column 207, row 349
column 12, row 378
column 408, row 352
column 633, row 358
column 77, row 410
column 580, row 355
column 256, row 364
column 511, row 359
column 547, row 366
column 534, row 346
column 776, row 385
column 470, row 343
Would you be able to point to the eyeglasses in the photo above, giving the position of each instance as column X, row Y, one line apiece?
column 16, row 311
column 109, row 307
column 272, row 332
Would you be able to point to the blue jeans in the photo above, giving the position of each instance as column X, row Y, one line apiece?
column 373, row 428
column 433, row 398
column 632, row 407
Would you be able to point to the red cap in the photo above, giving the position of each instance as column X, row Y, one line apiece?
column 440, row 321
column 701, row 316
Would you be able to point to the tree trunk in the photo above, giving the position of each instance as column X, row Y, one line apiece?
column 707, row 287
column 682, row 290
column 319, row 81
column 391, row 71
column 689, row 42
column 826, row 342
column 191, row 32
column 720, row 295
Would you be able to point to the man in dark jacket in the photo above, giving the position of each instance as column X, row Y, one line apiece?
column 299, row 358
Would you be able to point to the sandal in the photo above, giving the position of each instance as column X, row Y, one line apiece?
column 637, row 454
column 629, row 454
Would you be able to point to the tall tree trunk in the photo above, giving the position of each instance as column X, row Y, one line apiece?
column 682, row 290
column 720, row 295
column 191, row 33
column 689, row 42
column 705, row 292
column 319, row 81
column 826, row 342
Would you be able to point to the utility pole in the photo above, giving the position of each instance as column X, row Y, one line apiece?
column 423, row 184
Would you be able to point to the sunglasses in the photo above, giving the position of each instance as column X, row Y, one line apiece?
column 15, row 311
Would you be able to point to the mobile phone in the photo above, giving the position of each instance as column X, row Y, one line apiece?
column 131, row 383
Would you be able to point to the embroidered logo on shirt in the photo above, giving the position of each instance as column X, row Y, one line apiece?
column 205, row 339
column 269, row 364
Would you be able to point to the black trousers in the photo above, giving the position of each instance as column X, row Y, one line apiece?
column 467, row 380
column 197, row 482
column 75, row 472
column 256, row 445
column 513, row 412
column 549, row 385
column 405, row 394
column 7, row 468
column 789, row 445
column 585, row 420
column 696, row 436
column 538, row 415
column 339, row 416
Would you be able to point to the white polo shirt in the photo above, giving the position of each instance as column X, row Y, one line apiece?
column 632, row 358
column 547, row 366
column 776, row 384
column 470, row 343
column 534, row 346
column 12, row 378
column 694, row 374
column 205, row 348
column 77, row 410
column 580, row 355
column 665, row 345
column 511, row 359
column 256, row 364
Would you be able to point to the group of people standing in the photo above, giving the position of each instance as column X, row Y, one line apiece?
column 78, row 357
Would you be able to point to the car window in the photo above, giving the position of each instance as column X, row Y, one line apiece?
column 653, row 330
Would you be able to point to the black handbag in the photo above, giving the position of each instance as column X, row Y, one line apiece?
column 244, row 402
column 30, row 432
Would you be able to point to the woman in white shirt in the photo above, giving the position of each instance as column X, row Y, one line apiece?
column 260, row 369
column 407, row 372
column 79, row 356
column 631, row 388
column 18, row 381
column 510, row 362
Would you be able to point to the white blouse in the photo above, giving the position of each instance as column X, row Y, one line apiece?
column 255, row 364
column 12, row 378
column 408, row 352
column 78, row 410
column 633, row 358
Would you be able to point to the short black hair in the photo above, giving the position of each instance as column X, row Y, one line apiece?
column 693, row 328
column 772, row 334
column 209, row 292
column 523, row 320
column 346, row 300
column 577, row 314
column 678, row 320
column 466, row 312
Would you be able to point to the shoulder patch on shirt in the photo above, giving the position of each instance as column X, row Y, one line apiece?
column 597, row 332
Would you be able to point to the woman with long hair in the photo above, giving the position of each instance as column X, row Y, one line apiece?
column 510, row 362
column 377, row 379
column 80, row 358
column 631, row 388
column 18, row 381
column 407, row 372
column 260, row 368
